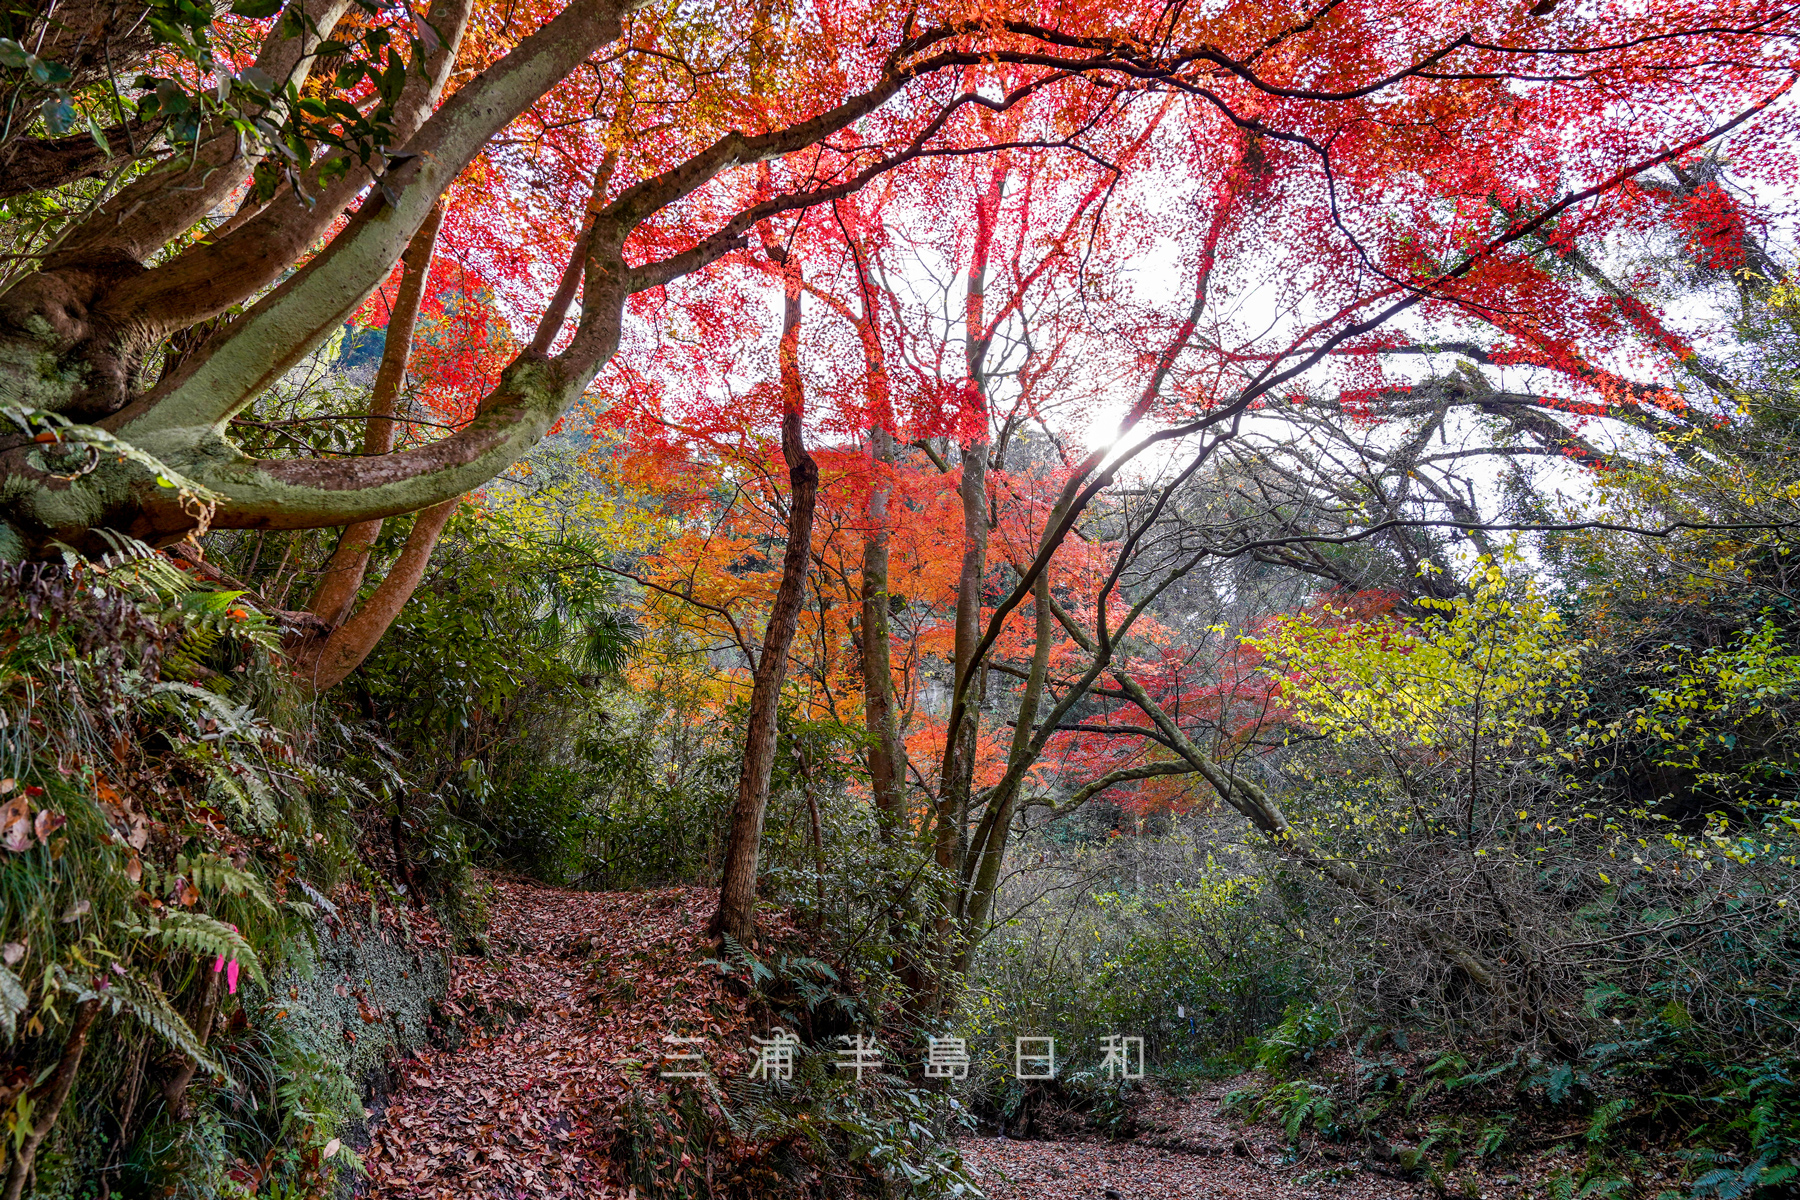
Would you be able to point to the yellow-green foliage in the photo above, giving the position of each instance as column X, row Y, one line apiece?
column 1494, row 666
column 1714, row 699
column 1753, row 677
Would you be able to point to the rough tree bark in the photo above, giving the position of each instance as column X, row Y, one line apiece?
column 887, row 754
column 736, row 915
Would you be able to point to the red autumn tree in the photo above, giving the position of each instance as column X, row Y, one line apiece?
column 1272, row 175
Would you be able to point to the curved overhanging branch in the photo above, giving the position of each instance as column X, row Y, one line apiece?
column 263, row 344
column 308, row 493
column 167, row 201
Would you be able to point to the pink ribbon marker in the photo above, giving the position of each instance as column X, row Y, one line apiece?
column 230, row 969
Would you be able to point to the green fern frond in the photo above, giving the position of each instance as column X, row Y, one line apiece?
column 801, row 962
column 204, row 935
column 137, row 568
column 212, row 604
column 212, row 611
column 214, row 873
column 232, row 718
column 746, row 962
column 249, row 794
column 146, row 1002
column 1605, row 1117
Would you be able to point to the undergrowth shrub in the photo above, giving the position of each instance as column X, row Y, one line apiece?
column 1723, row 1129
column 813, row 1136
column 1188, row 954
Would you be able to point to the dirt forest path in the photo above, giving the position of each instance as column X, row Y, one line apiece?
column 1184, row 1151
column 521, row 1106
column 522, row 1102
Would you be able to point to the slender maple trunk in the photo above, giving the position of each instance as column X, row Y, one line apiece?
column 343, row 574
column 953, row 794
column 962, row 738
column 987, row 849
column 50, row 1101
column 736, row 915
column 887, row 754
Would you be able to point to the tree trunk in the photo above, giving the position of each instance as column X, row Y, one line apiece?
column 887, row 754
column 960, row 739
column 343, row 575
column 51, row 1100
column 323, row 663
column 959, row 775
column 176, row 1086
column 956, row 780
column 987, row 850
column 737, row 891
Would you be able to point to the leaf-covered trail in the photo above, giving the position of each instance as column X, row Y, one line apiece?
column 522, row 1101
column 522, row 1107
column 1185, row 1150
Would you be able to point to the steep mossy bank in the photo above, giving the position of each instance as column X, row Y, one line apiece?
column 370, row 999
column 205, row 972
column 331, row 1029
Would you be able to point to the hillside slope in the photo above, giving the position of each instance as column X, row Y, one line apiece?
column 521, row 1093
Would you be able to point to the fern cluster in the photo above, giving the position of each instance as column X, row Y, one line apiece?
column 170, row 818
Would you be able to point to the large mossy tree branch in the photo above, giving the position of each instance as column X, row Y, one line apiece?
column 165, row 203
column 273, row 337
